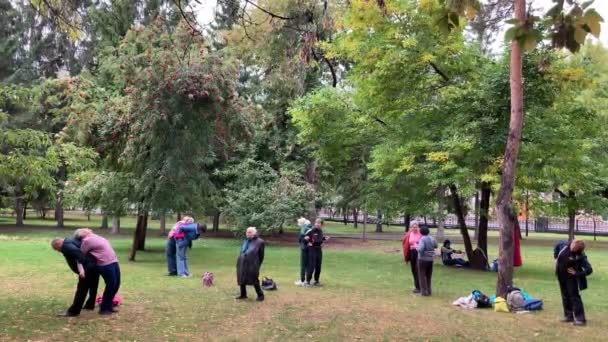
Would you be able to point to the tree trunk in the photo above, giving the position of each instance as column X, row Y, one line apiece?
column 216, row 221
column 61, row 177
column 24, row 210
column 115, row 224
column 379, row 222
column 484, row 212
column 345, row 216
column 407, row 219
column 477, row 214
column 139, row 238
column 163, row 223
column 19, row 208
column 440, row 214
column 104, row 221
column 461, row 221
column 311, row 178
column 506, row 218
column 365, row 224
column 179, row 216
column 571, row 214
column 355, row 217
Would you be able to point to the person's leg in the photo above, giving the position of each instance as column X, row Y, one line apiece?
column 429, row 276
column 93, row 283
column 566, row 303
column 318, row 263
column 303, row 264
column 79, row 297
column 258, row 290
column 243, row 292
column 311, row 264
column 422, row 277
column 576, row 302
column 107, row 273
column 182, row 268
column 171, row 257
column 414, row 267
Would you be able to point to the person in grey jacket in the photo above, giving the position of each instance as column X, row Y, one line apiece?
column 426, row 252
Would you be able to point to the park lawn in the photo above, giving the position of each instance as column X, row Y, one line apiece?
column 366, row 297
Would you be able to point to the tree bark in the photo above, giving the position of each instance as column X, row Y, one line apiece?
column 355, row 217
column 440, row 214
column 216, row 221
column 139, row 237
column 571, row 201
column 345, row 216
column 484, row 212
column 19, row 208
column 365, row 224
column 179, row 216
column 407, row 219
column 461, row 221
column 104, row 221
column 506, row 218
column 115, row 224
column 477, row 214
column 163, row 223
column 24, row 210
column 61, row 177
column 379, row 222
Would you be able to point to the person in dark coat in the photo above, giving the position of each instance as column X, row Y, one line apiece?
column 249, row 262
column 314, row 238
column 304, row 226
column 572, row 269
column 88, row 277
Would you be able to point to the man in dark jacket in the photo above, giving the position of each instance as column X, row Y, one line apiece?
column 572, row 269
column 314, row 238
column 249, row 262
column 88, row 277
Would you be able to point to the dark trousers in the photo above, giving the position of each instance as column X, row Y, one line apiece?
column 88, row 284
column 111, row 276
column 414, row 267
column 425, row 273
column 458, row 261
column 256, row 286
column 571, row 298
column 315, row 259
column 303, row 263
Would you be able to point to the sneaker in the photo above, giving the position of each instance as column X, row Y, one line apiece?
column 185, row 276
column 316, row 283
column 260, row 299
column 415, row 291
column 298, row 283
column 65, row 313
column 171, row 274
column 580, row 323
column 307, row 284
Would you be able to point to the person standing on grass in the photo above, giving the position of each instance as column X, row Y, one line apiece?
column 314, row 240
column 426, row 253
column 410, row 254
column 249, row 263
column 107, row 265
column 88, row 277
column 572, row 269
column 178, row 241
column 304, row 226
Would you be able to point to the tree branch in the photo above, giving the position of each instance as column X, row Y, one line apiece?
column 439, row 72
column 268, row 12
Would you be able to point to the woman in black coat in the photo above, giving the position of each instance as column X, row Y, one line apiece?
column 249, row 262
column 572, row 269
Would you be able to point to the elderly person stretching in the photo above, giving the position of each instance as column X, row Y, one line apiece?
column 249, row 262
column 179, row 240
column 410, row 254
column 572, row 269
column 107, row 265
column 304, row 226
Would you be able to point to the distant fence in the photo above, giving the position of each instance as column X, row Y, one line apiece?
column 583, row 226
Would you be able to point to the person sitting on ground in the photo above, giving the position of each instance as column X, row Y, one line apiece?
column 178, row 241
column 304, row 226
column 85, row 267
column 446, row 256
column 107, row 265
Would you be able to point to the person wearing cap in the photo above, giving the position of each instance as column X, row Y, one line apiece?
column 572, row 268
column 446, row 256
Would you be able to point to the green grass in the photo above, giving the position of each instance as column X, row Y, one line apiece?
column 366, row 296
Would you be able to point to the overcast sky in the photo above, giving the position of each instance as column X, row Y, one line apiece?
column 206, row 10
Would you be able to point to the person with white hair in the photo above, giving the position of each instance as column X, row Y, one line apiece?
column 304, row 226
column 249, row 263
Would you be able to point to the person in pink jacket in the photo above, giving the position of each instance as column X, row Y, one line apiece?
column 410, row 243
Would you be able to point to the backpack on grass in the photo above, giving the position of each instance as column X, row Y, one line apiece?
column 268, row 284
column 533, row 304
column 482, row 300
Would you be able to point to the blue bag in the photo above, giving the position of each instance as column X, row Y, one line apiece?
column 533, row 304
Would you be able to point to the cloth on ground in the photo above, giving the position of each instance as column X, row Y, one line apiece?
column 466, row 302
